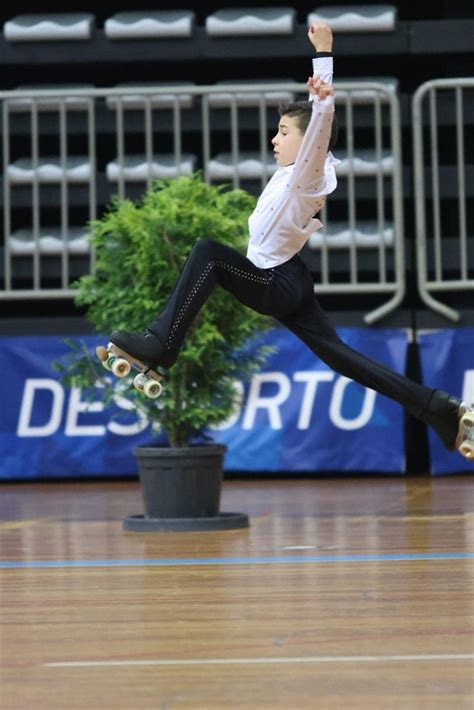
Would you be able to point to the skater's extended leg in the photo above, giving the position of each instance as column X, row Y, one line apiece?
column 436, row 408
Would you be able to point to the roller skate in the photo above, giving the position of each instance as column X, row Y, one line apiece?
column 453, row 421
column 127, row 351
column 465, row 437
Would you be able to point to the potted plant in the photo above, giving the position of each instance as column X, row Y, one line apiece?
column 140, row 247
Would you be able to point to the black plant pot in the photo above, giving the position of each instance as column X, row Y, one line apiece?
column 181, row 490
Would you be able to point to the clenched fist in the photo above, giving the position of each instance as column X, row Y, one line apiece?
column 319, row 88
column 320, row 36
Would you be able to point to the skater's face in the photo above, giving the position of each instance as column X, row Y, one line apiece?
column 286, row 143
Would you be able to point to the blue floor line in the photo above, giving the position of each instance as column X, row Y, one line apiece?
column 196, row 561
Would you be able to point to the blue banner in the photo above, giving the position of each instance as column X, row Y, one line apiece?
column 294, row 415
column 298, row 415
column 447, row 363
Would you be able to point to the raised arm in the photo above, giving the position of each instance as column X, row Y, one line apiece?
column 320, row 36
column 308, row 172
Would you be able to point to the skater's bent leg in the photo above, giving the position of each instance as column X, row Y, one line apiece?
column 208, row 264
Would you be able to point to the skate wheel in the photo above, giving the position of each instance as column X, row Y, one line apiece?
column 139, row 382
column 104, row 357
column 466, row 448
column 466, row 451
column 152, row 389
column 107, row 364
column 102, row 353
column 120, row 367
column 468, row 419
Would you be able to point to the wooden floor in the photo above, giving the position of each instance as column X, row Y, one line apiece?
column 342, row 594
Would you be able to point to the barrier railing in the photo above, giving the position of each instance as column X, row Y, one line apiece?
column 68, row 190
column 443, row 242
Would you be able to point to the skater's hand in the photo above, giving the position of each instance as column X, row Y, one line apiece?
column 319, row 88
column 320, row 36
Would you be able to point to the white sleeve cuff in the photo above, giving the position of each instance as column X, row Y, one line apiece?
column 323, row 67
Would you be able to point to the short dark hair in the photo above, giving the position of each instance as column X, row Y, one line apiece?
column 301, row 111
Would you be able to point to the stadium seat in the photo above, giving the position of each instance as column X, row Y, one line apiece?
column 72, row 103
column 50, row 242
column 137, row 169
column 49, row 170
column 364, row 163
column 356, row 18
column 160, row 24
column 251, row 21
column 249, row 99
column 162, row 101
column 363, row 96
column 338, row 235
column 74, row 26
column 248, row 166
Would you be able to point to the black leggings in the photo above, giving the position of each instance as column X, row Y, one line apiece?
column 285, row 292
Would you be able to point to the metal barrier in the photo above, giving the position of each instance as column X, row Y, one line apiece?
column 442, row 249
column 77, row 118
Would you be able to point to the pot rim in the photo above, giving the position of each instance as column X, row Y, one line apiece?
column 200, row 450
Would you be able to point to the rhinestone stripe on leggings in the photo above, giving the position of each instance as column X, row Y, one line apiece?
column 264, row 280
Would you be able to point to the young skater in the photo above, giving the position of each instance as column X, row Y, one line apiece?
column 273, row 280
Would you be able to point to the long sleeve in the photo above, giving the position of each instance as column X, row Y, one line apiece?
column 323, row 66
column 308, row 172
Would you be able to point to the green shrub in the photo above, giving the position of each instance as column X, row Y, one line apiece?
column 140, row 248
